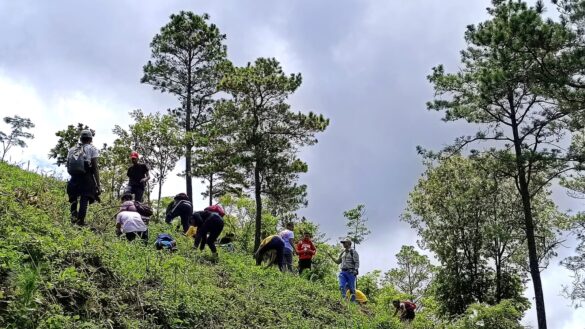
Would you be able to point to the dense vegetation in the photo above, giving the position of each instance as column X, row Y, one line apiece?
column 53, row 275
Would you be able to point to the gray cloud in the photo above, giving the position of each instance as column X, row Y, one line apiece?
column 363, row 63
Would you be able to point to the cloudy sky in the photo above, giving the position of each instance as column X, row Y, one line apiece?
column 363, row 63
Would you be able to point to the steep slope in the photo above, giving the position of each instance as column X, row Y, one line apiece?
column 53, row 275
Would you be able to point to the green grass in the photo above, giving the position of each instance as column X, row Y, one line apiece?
column 53, row 275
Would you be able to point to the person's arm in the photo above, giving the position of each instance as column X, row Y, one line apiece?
column 146, row 176
column 292, row 243
column 336, row 261
column 356, row 260
column 96, row 173
column 298, row 247
column 313, row 249
column 170, row 214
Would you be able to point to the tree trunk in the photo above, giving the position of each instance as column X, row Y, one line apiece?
column 189, row 146
column 258, row 195
column 211, row 190
column 158, row 200
column 498, row 281
column 528, row 224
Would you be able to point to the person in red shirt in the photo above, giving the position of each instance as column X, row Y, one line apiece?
column 306, row 250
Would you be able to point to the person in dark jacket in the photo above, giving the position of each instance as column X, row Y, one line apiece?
column 209, row 228
column 180, row 207
column 83, row 189
column 271, row 243
column 137, row 177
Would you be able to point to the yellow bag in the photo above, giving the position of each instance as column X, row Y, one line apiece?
column 191, row 231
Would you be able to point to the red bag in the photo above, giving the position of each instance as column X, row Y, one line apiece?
column 410, row 306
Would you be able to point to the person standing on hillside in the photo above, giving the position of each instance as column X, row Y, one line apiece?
column 137, row 177
column 288, row 236
column 350, row 263
column 83, row 188
column 306, row 250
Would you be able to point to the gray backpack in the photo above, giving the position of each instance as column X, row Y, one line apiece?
column 76, row 165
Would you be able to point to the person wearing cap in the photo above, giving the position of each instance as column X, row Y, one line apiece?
column 350, row 263
column 137, row 177
column 83, row 188
column 180, row 207
column 209, row 228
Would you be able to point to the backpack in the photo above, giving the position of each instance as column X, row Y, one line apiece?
column 165, row 241
column 143, row 209
column 409, row 306
column 77, row 165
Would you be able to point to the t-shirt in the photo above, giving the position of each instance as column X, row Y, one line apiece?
column 286, row 235
column 131, row 222
column 136, row 173
column 89, row 152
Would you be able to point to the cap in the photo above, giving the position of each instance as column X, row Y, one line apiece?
column 346, row 239
column 134, row 155
column 85, row 134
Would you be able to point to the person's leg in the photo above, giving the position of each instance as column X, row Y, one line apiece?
column 73, row 211
column 288, row 258
column 138, row 193
column 351, row 285
column 198, row 239
column 342, row 284
column 83, row 203
column 130, row 236
column 185, row 223
column 144, row 236
column 260, row 255
column 214, row 231
column 280, row 258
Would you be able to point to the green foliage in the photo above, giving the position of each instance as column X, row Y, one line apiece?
column 158, row 139
column 53, row 275
column 504, row 315
column 113, row 163
column 413, row 273
column 188, row 61
column 17, row 134
column 356, row 223
column 68, row 138
column 501, row 88
column 266, row 134
column 471, row 217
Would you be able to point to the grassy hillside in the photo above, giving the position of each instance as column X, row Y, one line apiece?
column 53, row 275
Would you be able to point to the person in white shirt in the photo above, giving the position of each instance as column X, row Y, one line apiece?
column 131, row 224
column 288, row 236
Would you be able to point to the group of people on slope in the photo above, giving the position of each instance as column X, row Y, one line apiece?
column 84, row 188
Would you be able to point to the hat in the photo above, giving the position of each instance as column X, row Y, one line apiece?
column 346, row 239
column 134, row 155
column 85, row 134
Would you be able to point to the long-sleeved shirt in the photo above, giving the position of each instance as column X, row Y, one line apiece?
column 350, row 260
column 306, row 249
